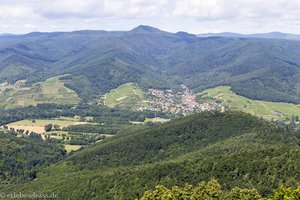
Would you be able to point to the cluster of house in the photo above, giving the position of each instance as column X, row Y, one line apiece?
column 176, row 103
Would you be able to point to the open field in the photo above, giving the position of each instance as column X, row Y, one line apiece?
column 128, row 95
column 43, row 122
column 69, row 147
column 38, row 125
column 50, row 91
column 36, row 129
column 156, row 120
column 266, row 109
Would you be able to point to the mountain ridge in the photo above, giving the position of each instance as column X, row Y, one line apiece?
column 98, row 61
column 147, row 28
column 268, row 35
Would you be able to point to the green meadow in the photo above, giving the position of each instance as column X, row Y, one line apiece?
column 52, row 90
column 70, row 148
column 129, row 96
column 230, row 100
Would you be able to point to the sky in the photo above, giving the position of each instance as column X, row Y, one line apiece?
column 193, row 16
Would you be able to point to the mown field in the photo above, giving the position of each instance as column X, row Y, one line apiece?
column 39, row 124
column 230, row 100
column 156, row 120
column 70, row 148
column 129, row 96
column 50, row 91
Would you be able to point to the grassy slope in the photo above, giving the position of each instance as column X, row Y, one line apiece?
column 50, row 91
column 128, row 95
column 235, row 148
column 255, row 107
column 70, row 148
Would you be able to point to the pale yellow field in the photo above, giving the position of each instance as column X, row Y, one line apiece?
column 157, row 120
column 43, row 122
column 69, row 147
column 36, row 129
column 39, row 124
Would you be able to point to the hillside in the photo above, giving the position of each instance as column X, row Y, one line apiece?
column 51, row 90
column 263, row 69
column 126, row 96
column 232, row 101
column 235, row 148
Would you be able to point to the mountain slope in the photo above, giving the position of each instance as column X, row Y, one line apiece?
column 235, row 148
column 231, row 101
column 52, row 90
column 258, row 69
column 98, row 61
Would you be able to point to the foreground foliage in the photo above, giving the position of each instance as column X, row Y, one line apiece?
column 212, row 190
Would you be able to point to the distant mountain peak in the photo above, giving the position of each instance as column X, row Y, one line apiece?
column 145, row 29
column 185, row 34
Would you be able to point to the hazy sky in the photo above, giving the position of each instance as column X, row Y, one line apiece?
column 194, row 16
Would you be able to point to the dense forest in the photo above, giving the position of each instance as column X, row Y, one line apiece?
column 21, row 157
column 236, row 149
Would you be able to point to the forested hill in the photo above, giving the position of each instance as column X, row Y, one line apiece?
column 22, row 157
column 98, row 61
column 235, row 148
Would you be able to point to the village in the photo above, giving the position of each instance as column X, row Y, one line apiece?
column 176, row 103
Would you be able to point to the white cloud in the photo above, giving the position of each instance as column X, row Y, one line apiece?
column 16, row 12
column 135, row 8
column 103, row 8
column 188, row 15
column 233, row 9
